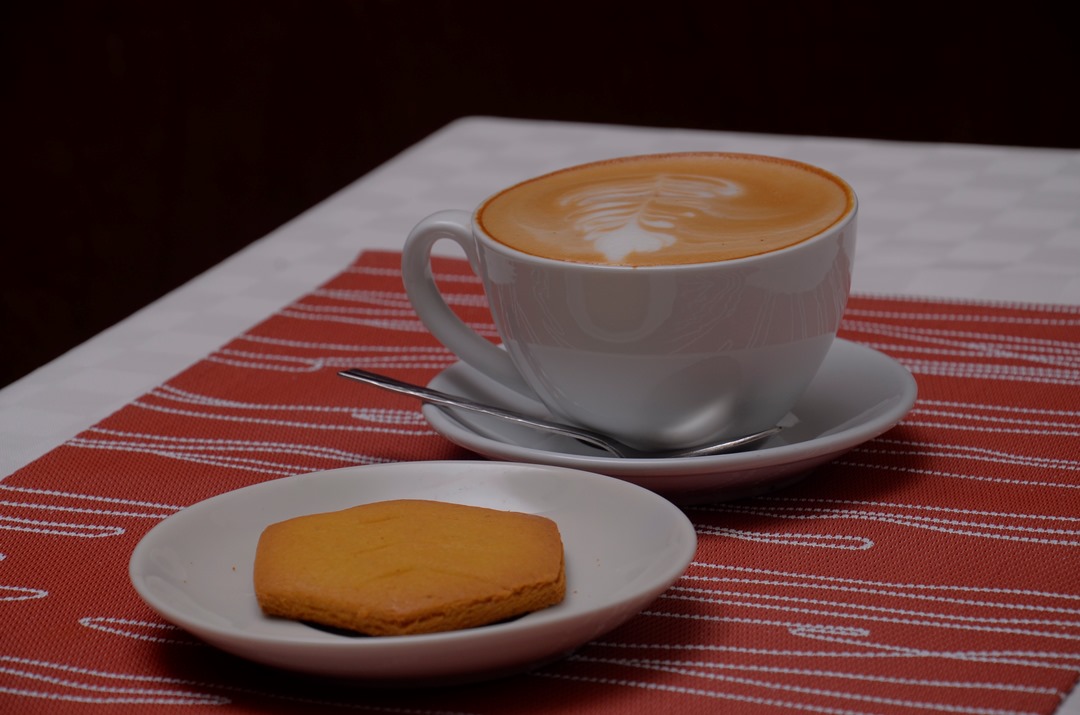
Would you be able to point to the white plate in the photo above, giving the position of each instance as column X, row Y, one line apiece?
column 623, row 547
column 857, row 394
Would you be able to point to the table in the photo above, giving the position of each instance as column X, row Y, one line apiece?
column 936, row 220
column 987, row 225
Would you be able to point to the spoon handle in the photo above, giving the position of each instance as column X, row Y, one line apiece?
column 443, row 399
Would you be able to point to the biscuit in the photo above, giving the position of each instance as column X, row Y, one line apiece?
column 409, row 566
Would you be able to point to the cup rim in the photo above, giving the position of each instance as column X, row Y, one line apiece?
column 847, row 218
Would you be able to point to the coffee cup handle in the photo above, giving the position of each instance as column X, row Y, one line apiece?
column 431, row 307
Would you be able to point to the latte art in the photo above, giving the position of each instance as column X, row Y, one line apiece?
column 667, row 209
column 643, row 213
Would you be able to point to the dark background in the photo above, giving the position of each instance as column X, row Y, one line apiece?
column 146, row 141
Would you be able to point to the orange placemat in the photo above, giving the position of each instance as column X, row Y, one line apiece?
column 934, row 568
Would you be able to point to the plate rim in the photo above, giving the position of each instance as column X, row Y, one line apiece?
column 524, row 627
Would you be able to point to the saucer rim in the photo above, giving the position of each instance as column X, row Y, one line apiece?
column 766, row 456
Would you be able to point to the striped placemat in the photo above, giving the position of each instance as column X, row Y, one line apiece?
column 935, row 568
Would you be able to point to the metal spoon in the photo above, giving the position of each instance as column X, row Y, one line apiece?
column 595, row 439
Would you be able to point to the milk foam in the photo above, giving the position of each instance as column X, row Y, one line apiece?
column 667, row 209
column 642, row 214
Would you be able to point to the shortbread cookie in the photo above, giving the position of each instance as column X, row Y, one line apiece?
column 409, row 566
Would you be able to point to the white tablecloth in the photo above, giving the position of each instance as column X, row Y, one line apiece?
column 939, row 220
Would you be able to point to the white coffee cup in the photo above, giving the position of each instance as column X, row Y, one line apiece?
column 659, row 355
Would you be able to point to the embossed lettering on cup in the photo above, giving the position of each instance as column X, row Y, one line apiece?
column 668, row 300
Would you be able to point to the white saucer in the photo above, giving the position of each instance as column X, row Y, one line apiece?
column 857, row 394
column 623, row 547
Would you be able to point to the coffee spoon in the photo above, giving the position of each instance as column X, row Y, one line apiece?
column 604, row 442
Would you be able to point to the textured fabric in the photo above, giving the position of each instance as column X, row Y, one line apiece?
column 933, row 568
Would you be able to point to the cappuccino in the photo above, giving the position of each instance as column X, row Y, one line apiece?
column 667, row 209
